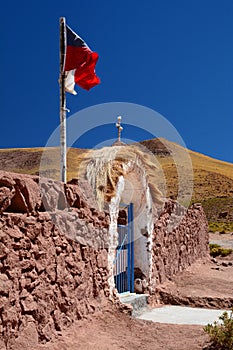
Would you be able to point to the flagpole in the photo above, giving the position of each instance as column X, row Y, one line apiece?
column 62, row 100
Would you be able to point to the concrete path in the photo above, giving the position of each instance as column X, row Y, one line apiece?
column 225, row 240
column 181, row 315
column 225, row 243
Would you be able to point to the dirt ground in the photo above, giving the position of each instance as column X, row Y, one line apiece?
column 113, row 331
column 204, row 284
column 207, row 284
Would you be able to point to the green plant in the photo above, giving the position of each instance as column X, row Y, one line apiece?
column 221, row 334
column 222, row 227
column 216, row 250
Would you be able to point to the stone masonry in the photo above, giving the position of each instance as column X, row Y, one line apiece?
column 48, row 279
column 54, row 252
column 180, row 237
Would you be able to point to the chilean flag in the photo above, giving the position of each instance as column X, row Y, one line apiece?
column 80, row 63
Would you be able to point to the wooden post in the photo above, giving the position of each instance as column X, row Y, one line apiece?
column 62, row 100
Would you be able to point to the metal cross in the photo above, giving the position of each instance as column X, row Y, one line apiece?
column 119, row 127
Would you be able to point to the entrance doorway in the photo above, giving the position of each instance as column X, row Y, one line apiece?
column 124, row 260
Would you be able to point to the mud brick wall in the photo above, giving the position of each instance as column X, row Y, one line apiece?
column 48, row 279
column 179, row 239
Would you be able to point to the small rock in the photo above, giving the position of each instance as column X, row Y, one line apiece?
column 30, row 220
column 5, row 284
column 29, row 304
column 3, row 251
column 14, row 232
column 126, row 309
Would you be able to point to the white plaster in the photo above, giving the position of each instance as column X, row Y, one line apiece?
column 150, row 226
column 113, row 234
column 136, row 191
column 143, row 244
column 133, row 188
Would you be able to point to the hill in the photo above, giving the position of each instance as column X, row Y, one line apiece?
column 212, row 179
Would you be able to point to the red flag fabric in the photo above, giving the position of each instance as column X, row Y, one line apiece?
column 80, row 63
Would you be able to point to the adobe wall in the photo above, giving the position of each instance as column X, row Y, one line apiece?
column 51, row 272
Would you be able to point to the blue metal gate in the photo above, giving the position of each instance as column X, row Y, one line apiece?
column 124, row 261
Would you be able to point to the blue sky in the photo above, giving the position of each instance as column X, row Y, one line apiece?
column 173, row 56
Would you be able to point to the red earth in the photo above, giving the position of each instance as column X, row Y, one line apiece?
column 209, row 284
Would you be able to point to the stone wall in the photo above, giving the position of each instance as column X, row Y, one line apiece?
column 55, row 253
column 179, row 238
column 52, row 268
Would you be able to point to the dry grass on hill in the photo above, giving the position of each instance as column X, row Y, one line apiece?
column 212, row 178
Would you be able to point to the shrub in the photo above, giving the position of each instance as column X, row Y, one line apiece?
column 216, row 250
column 225, row 252
column 221, row 334
column 221, row 227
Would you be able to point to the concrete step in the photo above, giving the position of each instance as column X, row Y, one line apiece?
column 138, row 302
